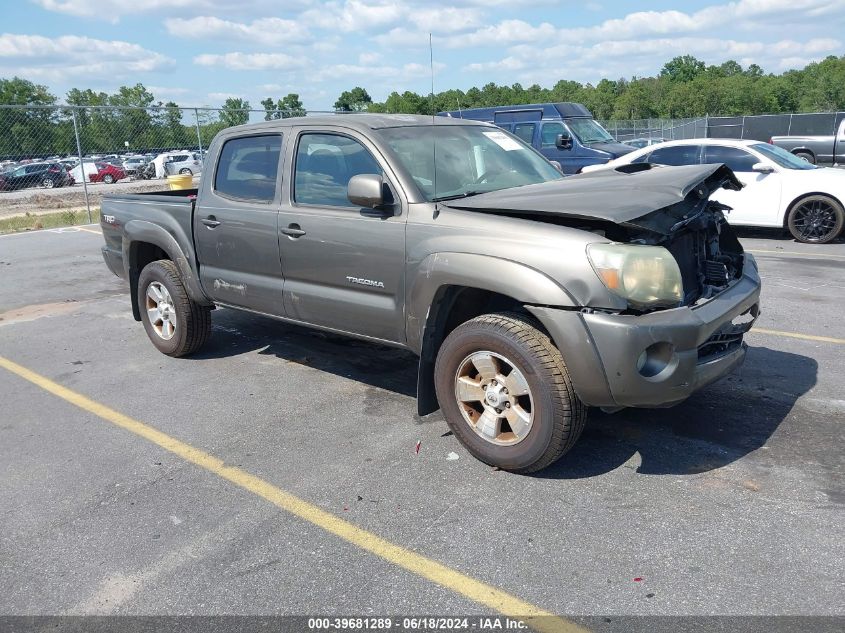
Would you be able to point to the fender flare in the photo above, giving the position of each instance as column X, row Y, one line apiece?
column 426, row 305
column 142, row 231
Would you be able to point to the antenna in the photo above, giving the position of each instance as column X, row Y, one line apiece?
column 433, row 123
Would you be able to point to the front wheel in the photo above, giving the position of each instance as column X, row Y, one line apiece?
column 815, row 220
column 48, row 183
column 506, row 393
column 108, row 179
column 185, row 171
column 176, row 325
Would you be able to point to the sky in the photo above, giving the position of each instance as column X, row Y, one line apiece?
column 199, row 52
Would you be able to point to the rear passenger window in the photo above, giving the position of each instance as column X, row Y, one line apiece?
column 735, row 158
column 675, row 155
column 324, row 165
column 525, row 131
column 248, row 168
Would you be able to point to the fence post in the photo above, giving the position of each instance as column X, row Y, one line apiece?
column 81, row 165
column 199, row 136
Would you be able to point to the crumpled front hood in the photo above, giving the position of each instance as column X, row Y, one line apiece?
column 612, row 195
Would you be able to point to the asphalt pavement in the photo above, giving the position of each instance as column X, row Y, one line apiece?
column 728, row 504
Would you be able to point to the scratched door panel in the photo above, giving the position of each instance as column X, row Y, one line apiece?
column 236, row 226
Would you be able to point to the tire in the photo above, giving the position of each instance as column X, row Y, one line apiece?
column 815, row 219
column 48, row 183
column 108, row 179
column 807, row 156
column 160, row 288
column 184, row 171
column 515, row 343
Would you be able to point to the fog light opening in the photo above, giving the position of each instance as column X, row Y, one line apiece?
column 655, row 358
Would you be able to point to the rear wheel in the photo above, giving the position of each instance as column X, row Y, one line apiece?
column 47, row 183
column 806, row 156
column 506, row 394
column 108, row 179
column 176, row 325
column 816, row 220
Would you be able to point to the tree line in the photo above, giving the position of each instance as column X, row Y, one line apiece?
column 684, row 87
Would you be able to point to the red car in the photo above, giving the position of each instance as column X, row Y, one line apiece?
column 107, row 173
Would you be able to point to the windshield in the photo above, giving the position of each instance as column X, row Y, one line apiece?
column 588, row 131
column 781, row 157
column 471, row 159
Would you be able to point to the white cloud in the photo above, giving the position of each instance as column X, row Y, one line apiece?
column 354, row 15
column 267, row 31
column 72, row 55
column 251, row 61
column 444, row 19
column 112, row 11
column 369, row 58
column 222, row 96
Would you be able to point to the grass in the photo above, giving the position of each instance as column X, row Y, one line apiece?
column 32, row 222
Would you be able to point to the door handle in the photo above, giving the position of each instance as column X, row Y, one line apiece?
column 293, row 231
column 211, row 222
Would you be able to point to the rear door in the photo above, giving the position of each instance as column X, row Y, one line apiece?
column 344, row 265
column 235, row 225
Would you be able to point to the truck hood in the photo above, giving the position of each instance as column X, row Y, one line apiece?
column 629, row 195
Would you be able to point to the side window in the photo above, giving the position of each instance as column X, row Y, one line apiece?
column 675, row 155
column 324, row 165
column 735, row 158
column 550, row 132
column 248, row 167
column 525, row 131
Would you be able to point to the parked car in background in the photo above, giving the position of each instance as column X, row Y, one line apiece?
column 183, row 163
column 826, row 149
column 779, row 189
column 132, row 164
column 643, row 142
column 46, row 175
column 562, row 132
column 107, row 173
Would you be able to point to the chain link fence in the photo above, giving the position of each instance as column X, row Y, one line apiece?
column 57, row 162
column 656, row 129
column 759, row 127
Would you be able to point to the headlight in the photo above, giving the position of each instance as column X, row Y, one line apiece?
column 647, row 276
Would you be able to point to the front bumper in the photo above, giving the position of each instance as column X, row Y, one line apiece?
column 657, row 359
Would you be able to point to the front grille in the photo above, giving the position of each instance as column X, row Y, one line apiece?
column 719, row 344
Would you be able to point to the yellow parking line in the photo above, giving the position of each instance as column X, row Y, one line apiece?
column 82, row 228
column 806, row 337
column 460, row 583
column 818, row 255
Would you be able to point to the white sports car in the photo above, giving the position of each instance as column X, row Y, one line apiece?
column 780, row 189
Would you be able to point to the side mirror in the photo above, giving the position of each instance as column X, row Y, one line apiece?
column 762, row 168
column 366, row 190
column 557, row 165
column 563, row 141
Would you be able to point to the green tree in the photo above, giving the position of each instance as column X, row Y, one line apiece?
column 235, row 112
column 355, row 100
column 290, row 106
column 683, row 68
column 25, row 131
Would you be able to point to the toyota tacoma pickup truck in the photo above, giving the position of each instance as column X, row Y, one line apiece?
column 528, row 296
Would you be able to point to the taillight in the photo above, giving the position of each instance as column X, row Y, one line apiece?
column 54, row 170
column 771, row 142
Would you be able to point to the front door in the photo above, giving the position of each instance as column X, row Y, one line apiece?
column 236, row 226
column 344, row 265
column 758, row 203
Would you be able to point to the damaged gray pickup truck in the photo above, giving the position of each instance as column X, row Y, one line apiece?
column 526, row 295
